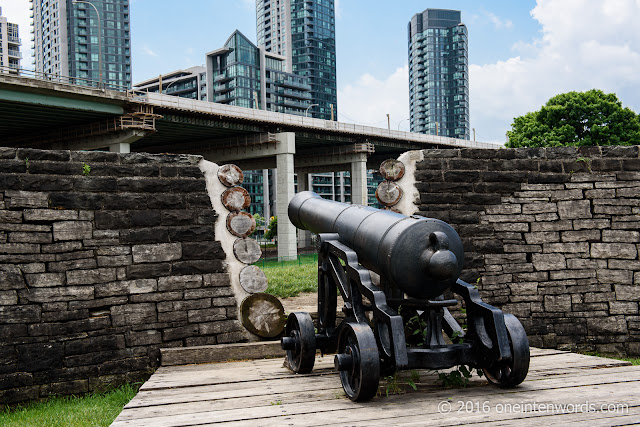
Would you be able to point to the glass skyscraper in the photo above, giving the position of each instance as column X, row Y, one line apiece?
column 245, row 75
column 303, row 31
column 67, row 41
column 439, row 74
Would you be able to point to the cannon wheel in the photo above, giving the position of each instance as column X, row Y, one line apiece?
column 302, row 355
column 360, row 382
column 511, row 373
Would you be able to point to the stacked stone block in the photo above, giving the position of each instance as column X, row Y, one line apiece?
column 100, row 268
column 552, row 234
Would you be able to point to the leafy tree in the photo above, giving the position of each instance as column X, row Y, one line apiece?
column 577, row 118
column 272, row 229
column 259, row 222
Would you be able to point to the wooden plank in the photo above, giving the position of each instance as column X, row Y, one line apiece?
column 287, row 390
column 263, row 392
column 190, row 375
column 290, row 396
column 314, row 392
column 237, row 402
column 294, row 384
column 536, row 352
column 220, row 353
column 228, row 391
column 591, row 419
column 418, row 404
column 427, row 408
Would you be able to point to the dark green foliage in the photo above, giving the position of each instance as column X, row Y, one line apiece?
column 458, row 377
column 272, row 229
column 577, row 119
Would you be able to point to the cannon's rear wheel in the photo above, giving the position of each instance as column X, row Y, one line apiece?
column 300, row 342
column 358, row 361
column 513, row 372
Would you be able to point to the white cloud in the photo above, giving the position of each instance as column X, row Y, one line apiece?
column 369, row 100
column 338, row 9
column 147, row 51
column 499, row 23
column 585, row 44
column 249, row 5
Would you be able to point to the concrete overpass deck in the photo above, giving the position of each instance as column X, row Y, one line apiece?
column 54, row 115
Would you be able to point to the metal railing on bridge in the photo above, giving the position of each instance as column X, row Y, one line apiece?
column 59, row 78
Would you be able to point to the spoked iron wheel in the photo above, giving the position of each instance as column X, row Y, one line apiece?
column 358, row 361
column 300, row 342
column 511, row 373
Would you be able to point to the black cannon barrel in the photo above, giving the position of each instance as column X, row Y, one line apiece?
column 420, row 256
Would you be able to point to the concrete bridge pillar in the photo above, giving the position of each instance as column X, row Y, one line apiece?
column 284, row 193
column 120, row 147
column 359, row 180
column 304, row 236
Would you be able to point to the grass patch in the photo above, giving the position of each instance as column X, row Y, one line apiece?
column 633, row 360
column 289, row 278
column 96, row 409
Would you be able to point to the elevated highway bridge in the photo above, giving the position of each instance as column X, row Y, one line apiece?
column 56, row 115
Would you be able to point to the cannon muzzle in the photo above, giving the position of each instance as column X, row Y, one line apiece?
column 420, row 256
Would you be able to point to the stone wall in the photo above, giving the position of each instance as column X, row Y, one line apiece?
column 104, row 258
column 553, row 235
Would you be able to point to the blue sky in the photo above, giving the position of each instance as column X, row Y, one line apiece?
column 521, row 53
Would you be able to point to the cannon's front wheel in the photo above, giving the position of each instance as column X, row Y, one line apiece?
column 300, row 342
column 358, row 361
column 513, row 372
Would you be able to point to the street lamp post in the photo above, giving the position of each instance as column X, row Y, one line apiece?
column 401, row 123
column 99, row 38
column 306, row 112
column 166, row 90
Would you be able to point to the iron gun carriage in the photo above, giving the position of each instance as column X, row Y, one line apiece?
column 417, row 260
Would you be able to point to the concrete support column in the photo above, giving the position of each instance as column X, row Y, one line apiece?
column 284, row 193
column 359, row 181
column 120, row 147
column 266, row 210
column 304, row 236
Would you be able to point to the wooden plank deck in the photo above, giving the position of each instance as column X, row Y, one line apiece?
column 561, row 389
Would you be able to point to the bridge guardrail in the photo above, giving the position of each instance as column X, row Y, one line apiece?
column 59, row 78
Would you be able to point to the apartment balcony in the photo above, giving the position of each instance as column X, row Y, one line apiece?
column 220, row 78
column 14, row 54
column 222, row 88
column 292, row 83
column 224, row 99
column 293, row 104
column 14, row 40
column 306, row 96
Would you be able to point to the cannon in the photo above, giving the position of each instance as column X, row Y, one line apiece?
column 390, row 269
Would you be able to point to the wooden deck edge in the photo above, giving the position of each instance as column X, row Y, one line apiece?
column 220, row 353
